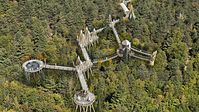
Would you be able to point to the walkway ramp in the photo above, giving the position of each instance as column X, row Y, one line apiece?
column 140, row 51
column 117, row 36
column 112, row 25
column 106, row 59
column 59, row 67
column 85, row 53
column 82, row 80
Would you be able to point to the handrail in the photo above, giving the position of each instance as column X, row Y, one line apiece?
column 140, row 51
column 106, row 59
column 82, row 80
column 59, row 67
column 140, row 57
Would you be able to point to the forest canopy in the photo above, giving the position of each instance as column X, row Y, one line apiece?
column 47, row 29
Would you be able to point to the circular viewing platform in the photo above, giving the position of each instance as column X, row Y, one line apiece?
column 33, row 66
column 84, row 98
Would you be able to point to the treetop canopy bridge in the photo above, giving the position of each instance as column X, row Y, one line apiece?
column 84, row 99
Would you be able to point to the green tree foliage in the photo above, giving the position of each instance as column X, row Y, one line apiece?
column 17, row 97
column 47, row 30
column 178, row 51
column 135, row 41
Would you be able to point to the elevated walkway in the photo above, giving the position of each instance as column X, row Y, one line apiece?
column 82, row 80
column 85, row 53
column 106, row 59
column 140, row 51
column 112, row 25
column 59, row 67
